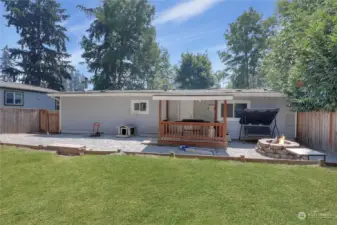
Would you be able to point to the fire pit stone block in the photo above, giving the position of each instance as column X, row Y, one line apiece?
column 267, row 148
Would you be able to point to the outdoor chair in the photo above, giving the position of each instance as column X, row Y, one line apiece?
column 258, row 123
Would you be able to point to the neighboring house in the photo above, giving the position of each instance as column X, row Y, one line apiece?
column 159, row 113
column 18, row 95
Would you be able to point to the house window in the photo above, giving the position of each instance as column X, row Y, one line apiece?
column 13, row 98
column 234, row 109
column 140, row 107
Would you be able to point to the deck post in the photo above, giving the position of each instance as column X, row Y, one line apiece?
column 167, row 109
column 225, row 123
column 159, row 119
column 215, row 110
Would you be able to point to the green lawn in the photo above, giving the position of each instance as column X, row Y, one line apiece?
column 43, row 188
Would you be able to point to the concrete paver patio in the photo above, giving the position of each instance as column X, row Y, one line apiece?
column 133, row 144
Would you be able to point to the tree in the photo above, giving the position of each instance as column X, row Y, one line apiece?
column 120, row 47
column 41, row 58
column 246, row 43
column 78, row 82
column 194, row 72
column 163, row 78
column 6, row 63
column 303, row 54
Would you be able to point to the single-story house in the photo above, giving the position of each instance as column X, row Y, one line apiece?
column 170, row 114
column 16, row 95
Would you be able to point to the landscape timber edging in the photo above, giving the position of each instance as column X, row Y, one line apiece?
column 83, row 151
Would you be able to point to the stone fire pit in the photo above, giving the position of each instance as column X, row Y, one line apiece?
column 278, row 151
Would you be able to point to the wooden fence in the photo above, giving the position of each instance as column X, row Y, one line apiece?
column 318, row 130
column 14, row 120
column 49, row 121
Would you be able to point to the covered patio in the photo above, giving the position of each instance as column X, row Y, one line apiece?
column 185, row 127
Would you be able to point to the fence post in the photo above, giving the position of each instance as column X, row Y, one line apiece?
column 299, row 126
column 40, row 120
column 47, row 113
column 44, row 120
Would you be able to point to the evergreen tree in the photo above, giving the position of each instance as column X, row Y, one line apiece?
column 41, row 59
column 194, row 72
column 120, row 47
column 164, row 74
column 5, row 64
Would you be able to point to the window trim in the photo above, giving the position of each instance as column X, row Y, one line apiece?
column 14, row 93
column 133, row 111
column 220, row 118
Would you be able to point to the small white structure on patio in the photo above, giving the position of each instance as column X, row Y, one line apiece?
column 127, row 130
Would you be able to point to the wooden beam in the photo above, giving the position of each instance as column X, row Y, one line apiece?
column 167, row 109
column 159, row 119
column 225, row 122
column 215, row 110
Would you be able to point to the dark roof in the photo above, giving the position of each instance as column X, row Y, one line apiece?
column 18, row 86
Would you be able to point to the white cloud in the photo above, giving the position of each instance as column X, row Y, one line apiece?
column 79, row 28
column 188, row 36
column 216, row 48
column 185, row 10
column 212, row 49
column 76, row 57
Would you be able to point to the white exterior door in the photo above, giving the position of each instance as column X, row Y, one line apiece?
column 186, row 109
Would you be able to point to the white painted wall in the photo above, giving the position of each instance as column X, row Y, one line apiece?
column 173, row 110
column 201, row 110
column 79, row 113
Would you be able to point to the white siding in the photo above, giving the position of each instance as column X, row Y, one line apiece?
column 173, row 110
column 79, row 113
column 201, row 110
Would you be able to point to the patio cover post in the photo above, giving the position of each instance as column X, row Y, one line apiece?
column 159, row 119
column 167, row 109
column 215, row 110
column 225, row 122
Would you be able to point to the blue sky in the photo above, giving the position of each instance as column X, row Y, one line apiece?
column 182, row 25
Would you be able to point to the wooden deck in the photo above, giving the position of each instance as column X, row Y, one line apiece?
column 201, row 134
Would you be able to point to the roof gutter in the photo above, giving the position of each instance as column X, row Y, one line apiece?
column 90, row 94
column 192, row 97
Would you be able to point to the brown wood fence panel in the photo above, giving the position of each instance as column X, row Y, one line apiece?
column 13, row 120
column 318, row 130
column 49, row 121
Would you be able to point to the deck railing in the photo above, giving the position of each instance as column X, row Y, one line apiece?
column 191, row 131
